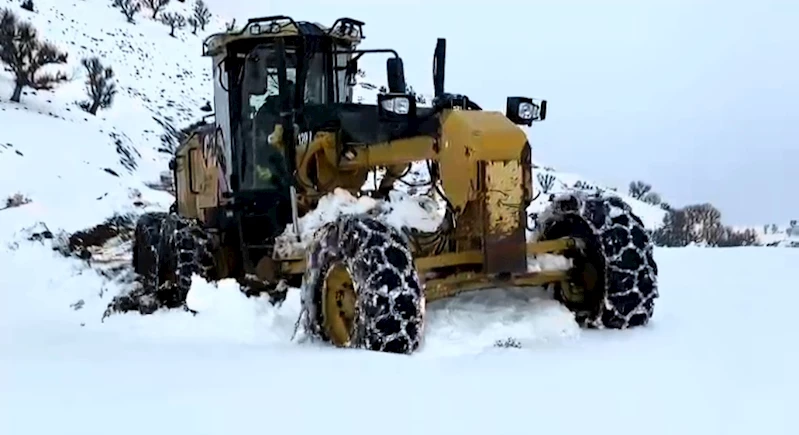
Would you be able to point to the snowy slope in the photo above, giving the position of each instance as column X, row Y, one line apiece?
column 785, row 236
column 57, row 155
column 717, row 357
column 651, row 216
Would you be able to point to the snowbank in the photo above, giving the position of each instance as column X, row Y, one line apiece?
column 400, row 210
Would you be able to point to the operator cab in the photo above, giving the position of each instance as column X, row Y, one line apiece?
column 298, row 75
column 274, row 67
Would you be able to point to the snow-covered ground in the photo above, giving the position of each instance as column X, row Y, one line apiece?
column 717, row 357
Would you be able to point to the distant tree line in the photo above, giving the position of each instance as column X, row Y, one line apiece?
column 693, row 224
column 198, row 19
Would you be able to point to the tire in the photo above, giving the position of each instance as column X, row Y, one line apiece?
column 187, row 252
column 617, row 248
column 167, row 251
column 146, row 238
column 388, row 299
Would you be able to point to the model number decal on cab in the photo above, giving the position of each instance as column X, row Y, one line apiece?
column 304, row 138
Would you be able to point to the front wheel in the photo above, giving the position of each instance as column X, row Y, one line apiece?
column 613, row 282
column 361, row 288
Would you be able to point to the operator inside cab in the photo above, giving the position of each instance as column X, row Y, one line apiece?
column 265, row 165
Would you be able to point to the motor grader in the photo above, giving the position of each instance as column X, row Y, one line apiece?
column 287, row 132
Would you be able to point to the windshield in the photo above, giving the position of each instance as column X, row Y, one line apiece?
column 263, row 164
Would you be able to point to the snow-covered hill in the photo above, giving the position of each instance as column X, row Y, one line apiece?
column 78, row 169
column 234, row 369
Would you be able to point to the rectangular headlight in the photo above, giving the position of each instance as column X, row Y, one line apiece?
column 527, row 111
column 396, row 107
column 523, row 111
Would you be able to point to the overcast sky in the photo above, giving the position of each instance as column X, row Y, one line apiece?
column 697, row 97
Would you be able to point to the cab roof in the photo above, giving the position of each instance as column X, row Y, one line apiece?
column 346, row 30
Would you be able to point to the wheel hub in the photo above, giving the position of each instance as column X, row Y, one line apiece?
column 338, row 305
column 585, row 278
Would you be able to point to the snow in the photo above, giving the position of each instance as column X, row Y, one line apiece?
column 399, row 210
column 564, row 182
column 716, row 358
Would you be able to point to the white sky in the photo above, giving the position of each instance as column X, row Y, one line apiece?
column 697, row 97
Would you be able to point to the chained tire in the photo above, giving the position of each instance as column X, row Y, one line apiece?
column 361, row 288
column 613, row 282
column 146, row 236
column 167, row 251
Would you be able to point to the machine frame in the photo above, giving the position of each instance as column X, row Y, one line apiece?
column 286, row 133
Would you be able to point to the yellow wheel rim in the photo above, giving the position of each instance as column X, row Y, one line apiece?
column 586, row 283
column 338, row 305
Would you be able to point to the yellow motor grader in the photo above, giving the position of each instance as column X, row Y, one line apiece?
column 287, row 132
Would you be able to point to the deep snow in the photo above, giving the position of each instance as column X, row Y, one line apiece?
column 717, row 357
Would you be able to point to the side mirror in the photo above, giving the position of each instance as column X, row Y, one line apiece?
column 396, row 75
column 352, row 72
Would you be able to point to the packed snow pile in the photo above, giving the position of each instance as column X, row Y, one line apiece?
column 399, row 210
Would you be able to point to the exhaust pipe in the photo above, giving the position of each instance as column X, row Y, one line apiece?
column 439, row 60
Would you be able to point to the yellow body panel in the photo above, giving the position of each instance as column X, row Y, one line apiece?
column 198, row 175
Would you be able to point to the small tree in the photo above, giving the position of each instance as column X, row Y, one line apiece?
column 16, row 200
column 675, row 231
column 652, row 198
column 201, row 14
column 194, row 25
column 23, row 54
column 100, row 86
column 155, row 5
column 174, row 21
column 28, row 5
column 638, row 189
column 416, row 96
column 129, row 8
column 546, row 181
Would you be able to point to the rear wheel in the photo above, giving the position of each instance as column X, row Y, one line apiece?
column 167, row 251
column 361, row 288
column 189, row 254
column 613, row 283
column 146, row 246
